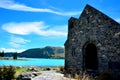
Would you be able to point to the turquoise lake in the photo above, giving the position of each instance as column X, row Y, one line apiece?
column 33, row 62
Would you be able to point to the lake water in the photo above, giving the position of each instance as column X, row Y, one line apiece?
column 33, row 62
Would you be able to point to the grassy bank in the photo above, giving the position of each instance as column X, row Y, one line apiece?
column 20, row 70
column 5, row 58
column 11, row 73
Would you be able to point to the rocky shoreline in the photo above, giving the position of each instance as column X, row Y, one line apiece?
column 41, row 73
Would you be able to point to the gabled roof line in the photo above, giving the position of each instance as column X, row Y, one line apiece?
column 88, row 7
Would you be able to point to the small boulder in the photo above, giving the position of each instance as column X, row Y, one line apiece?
column 24, row 76
column 33, row 69
column 48, row 69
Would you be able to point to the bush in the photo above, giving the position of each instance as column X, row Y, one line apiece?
column 7, row 72
column 61, row 68
column 105, row 75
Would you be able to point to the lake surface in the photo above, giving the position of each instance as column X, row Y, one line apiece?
column 33, row 62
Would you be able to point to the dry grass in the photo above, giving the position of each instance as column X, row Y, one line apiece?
column 80, row 77
column 61, row 68
column 77, row 76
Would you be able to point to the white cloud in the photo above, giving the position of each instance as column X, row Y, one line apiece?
column 63, row 28
column 22, row 28
column 13, row 44
column 11, row 50
column 10, row 4
column 16, row 41
column 19, row 40
column 118, row 20
column 40, row 28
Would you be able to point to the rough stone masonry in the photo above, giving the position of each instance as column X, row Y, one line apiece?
column 93, row 43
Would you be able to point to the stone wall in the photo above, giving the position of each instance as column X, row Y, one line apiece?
column 92, row 27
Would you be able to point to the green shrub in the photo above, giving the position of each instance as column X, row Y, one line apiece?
column 7, row 72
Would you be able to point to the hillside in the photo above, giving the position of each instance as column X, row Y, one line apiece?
column 46, row 52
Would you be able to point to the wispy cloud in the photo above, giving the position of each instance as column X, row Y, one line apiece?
column 39, row 28
column 118, row 20
column 17, row 42
column 11, row 50
column 10, row 4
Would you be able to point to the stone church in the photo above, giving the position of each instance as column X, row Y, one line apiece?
column 93, row 42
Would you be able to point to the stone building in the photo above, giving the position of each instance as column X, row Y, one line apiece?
column 93, row 43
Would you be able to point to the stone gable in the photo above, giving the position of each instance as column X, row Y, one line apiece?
column 93, row 42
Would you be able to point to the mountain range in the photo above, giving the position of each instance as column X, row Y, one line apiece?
column 46, row 52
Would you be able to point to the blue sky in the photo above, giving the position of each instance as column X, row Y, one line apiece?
column 26, row 24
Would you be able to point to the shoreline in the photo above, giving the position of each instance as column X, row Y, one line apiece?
column 11, row 58
column 33, row 72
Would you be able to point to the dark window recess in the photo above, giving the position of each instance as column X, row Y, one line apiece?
column 73, row 52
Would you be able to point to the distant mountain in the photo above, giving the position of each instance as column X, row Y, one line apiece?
column 8, row 54
column 46, row 52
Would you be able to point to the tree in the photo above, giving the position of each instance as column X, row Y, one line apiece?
column 2, row 54
column 15, row 56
